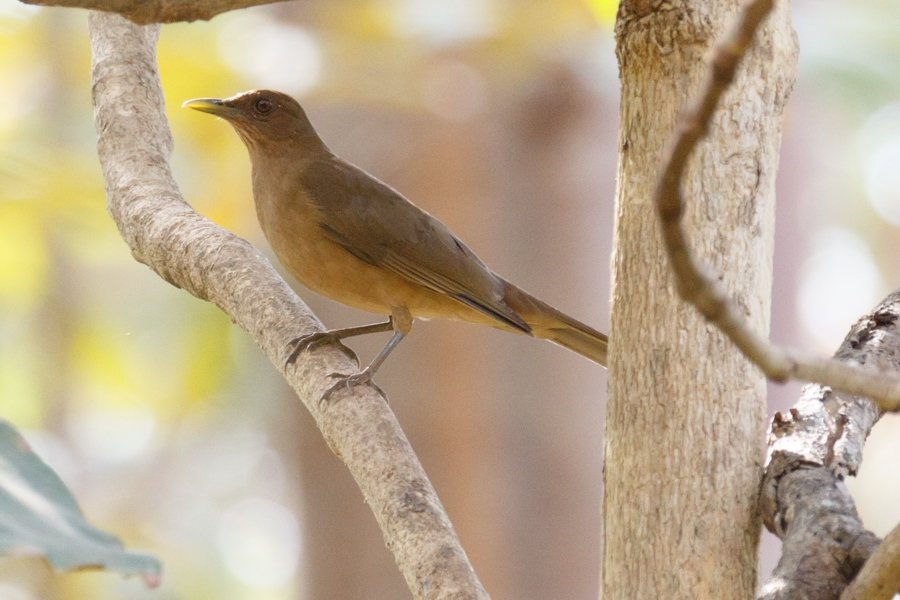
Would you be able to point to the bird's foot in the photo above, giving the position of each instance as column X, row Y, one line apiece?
column 347, row 381
column 313, row 341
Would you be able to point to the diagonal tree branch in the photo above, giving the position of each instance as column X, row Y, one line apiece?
column 192, row 253
column 144, row 12
column 702, row 289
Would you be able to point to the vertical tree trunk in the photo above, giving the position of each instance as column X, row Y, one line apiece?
column 686, row 413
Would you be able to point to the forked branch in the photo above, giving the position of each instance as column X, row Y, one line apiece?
column 803, row 499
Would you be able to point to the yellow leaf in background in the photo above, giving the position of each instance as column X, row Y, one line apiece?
column 100, row 359
column 24, row 260
column 73, row 205
column 190, row 67
column 115, row 372
column 168, row 372
column 207, row 355
column 603, row 10
column 361, row 20
column 206, row 149
column 21, row 396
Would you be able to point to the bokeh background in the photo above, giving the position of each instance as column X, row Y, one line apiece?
column 500, row 118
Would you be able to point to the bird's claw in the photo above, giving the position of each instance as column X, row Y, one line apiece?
column 313, row 341
column 348, row 381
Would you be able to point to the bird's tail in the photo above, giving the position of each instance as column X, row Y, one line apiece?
column 550, row 324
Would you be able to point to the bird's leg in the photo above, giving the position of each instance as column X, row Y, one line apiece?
column 401, row 322
column 334, row 336
column 366, row 375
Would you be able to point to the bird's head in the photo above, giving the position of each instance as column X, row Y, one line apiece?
column 264, row 119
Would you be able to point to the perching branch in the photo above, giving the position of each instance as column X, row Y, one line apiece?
column 702, row 289
column 213, row 264
column 803, row 499
column 144, row 12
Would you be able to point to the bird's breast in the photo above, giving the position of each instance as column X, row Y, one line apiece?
column 325, row 267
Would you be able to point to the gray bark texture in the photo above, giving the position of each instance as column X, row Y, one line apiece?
column 192, row 253
column 811, row 449
column 686, row 411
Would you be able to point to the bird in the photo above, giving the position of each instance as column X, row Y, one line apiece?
column 344, row 234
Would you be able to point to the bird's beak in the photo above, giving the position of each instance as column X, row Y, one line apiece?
column 213, row 106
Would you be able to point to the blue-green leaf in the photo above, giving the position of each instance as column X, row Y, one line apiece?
column 39, row 516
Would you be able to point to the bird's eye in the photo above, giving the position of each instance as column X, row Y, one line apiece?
column 264, row 105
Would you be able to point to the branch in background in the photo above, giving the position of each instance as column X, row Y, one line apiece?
column 825, row 543
column 144, row 12
column 803, row 499
column 702, row 289
column 879, row 578
column 192, row 253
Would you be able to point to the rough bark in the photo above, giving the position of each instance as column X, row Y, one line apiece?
column 145, row 12
column 811, row 449
column 192, row 253
column 686, row 411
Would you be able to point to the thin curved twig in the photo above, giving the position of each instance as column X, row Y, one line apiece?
column 702, row 289
column 145, row 12
column 192, row 253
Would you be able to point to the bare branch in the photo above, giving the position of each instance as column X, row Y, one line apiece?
column 144, row 12
column 702, row 289
column 211, row 263
column 879, row 578
column 811, row 449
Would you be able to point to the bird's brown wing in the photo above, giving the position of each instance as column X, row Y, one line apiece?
column 379, row 226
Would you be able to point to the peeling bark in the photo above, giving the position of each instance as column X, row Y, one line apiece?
column 811, row 449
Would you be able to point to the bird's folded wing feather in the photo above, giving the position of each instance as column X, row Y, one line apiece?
column 381, row 227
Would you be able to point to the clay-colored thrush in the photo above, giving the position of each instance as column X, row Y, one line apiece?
column 352, row 238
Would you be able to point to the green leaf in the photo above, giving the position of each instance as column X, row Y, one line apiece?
column 39, row 516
